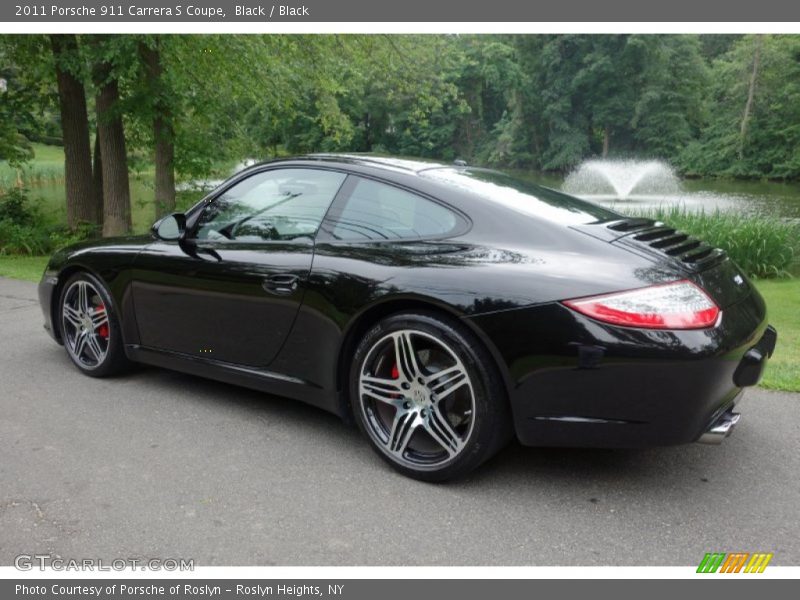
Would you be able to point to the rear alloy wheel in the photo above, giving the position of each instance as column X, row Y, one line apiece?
column 427, row 398
column 89, row 328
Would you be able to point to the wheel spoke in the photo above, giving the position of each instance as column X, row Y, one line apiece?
column 99, row 317
column 94, row 346
column 405, row 356
column 403, row 427
column 83, row 297
column 72, row 316
column 446, row 382
column 80, row 343
column 383, row 390
column 438, row 427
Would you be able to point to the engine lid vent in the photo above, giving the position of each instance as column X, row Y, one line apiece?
column 667, row 241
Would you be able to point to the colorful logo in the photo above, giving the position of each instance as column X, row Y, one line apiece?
column 734, row 562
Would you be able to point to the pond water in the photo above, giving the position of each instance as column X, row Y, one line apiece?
column 752, row 197
column 630, row 186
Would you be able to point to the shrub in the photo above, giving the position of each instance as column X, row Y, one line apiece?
column 24, row 230
column 762, row 246
column 22, row 239
column 15, row 207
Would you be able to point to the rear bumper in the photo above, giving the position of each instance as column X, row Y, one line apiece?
column 751, row 367
column 748, row 372
column 577, row 382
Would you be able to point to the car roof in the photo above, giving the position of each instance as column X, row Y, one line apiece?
column 489, row 214
column 404, row 165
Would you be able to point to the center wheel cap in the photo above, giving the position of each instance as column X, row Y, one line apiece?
column 419, row 397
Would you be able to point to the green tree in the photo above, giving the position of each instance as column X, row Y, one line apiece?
column 16, row 114
column 671, row 105
column 159, row 93
column 83, row 205
column 111, row 61
column 753, row 128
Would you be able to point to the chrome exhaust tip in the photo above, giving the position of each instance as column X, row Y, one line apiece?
column 720, row 429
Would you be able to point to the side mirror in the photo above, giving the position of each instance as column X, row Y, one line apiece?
column 171, row 228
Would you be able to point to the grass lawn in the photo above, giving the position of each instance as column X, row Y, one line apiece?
column 783, row 304
column 782, row 296
column 29, row 268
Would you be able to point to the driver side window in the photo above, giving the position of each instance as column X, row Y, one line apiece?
column 280, row 204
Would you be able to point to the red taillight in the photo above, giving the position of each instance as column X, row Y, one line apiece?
column 677, row 305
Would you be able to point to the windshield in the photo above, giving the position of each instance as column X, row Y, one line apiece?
column 523, row 196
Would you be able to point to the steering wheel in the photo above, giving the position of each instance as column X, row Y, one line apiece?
column 266, row 230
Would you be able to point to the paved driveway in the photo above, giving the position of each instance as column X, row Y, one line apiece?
column 157, row 464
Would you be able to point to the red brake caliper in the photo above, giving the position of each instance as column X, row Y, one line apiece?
column 102, row 331
column 395, row 375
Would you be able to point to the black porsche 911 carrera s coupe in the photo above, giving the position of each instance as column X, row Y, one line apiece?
column 444, row 308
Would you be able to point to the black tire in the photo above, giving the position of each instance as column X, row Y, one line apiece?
column 406, row 421
column 88, row 325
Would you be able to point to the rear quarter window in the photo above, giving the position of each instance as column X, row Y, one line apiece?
column 376, row 211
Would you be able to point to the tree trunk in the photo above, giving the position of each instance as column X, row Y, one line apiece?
column 537, row 146
column 165, row 165
column 751, row 92
column 606, row 139
column 116, row 190
column 163, row 132
column 75, row 131
column 97, row 181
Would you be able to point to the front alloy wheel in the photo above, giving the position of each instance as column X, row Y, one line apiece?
column 84, row 324
column 427, row 396
column 89, row 327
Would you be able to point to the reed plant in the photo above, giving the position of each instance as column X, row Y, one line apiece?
column 763, row 246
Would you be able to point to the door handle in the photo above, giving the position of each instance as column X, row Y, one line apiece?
column 281, row 284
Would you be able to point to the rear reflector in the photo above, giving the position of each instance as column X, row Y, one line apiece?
column 677, row 305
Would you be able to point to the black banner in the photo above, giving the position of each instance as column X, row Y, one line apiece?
column 320, row 11
column 372, row 589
